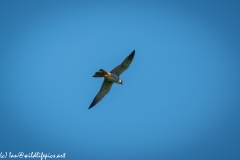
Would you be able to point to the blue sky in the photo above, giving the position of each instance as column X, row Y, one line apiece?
column 180, row 98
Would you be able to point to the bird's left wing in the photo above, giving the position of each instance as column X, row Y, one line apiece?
column 106, row 86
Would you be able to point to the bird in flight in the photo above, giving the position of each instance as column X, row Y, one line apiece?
column 110, row 78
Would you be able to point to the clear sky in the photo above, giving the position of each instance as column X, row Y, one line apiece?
column 180, row 98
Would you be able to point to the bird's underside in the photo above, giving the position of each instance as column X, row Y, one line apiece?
column 110, row 78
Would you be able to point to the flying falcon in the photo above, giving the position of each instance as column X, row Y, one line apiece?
column 110, row 78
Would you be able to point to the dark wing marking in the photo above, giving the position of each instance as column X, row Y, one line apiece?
column 106, row 86
column 124, row 65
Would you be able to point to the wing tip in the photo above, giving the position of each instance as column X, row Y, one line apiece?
column 132, row 54
column 91, row 105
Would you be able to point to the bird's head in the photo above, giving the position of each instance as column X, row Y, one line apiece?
column 119, row 81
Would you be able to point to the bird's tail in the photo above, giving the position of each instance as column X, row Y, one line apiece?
column 100, row 73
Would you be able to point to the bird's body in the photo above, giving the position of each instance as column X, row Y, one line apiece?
column 110, row 78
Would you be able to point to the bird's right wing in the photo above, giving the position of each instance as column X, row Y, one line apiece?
column 106, row 86
column 124, row 65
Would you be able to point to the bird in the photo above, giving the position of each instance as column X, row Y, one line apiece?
column 110, row 78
